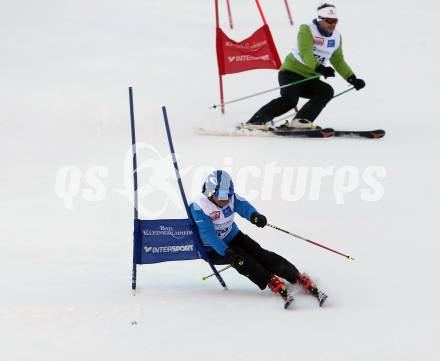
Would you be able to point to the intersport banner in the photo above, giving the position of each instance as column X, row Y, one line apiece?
column 255, row 52
column 164, row 240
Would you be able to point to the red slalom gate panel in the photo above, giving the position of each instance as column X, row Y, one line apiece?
column 255, row 52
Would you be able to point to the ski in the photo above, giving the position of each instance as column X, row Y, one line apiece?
column 288, row 301
column 232, row 132
column 328, row 132
column 322, row 297
column 372, row 134
column 265, row 132
column 291, row 132
column 287, row 298
column 306, row 133
column 286, row 132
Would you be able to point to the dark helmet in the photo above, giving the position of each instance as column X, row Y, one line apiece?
column 219, row 183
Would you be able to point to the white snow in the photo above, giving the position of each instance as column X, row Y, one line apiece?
column 66, row 264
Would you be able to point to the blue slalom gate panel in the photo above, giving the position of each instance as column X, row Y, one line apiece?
column 164, row 240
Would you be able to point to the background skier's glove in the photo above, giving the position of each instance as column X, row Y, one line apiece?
column 357, row 83
column 233, row 258
column 327, row 71
column 258, row 219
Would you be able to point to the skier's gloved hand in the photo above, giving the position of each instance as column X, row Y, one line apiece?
column 233, row 258
column 327, row 71
column 258, row 219
column 357, row 83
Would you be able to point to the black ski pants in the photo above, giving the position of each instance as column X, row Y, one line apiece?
column 259, row 264
column 319, row 93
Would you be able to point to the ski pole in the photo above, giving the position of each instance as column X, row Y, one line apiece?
column 231, row 24
column 310, row 241
column 296, row 109
column 343, row 92
column 265, row 91
column 220, row 270
column 289, row 14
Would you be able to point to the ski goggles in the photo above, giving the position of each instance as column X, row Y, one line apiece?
column 329, row 20
column 223, row 195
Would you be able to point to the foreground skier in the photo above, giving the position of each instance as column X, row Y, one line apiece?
column 213, row 211
column 317, row 44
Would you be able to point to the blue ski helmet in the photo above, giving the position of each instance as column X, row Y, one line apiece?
column 219, row 183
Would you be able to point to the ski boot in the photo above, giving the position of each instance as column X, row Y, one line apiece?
column 277, row 286
column 300, row 124
column 310, row 286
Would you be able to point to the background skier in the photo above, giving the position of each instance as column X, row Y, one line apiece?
column 317, row 44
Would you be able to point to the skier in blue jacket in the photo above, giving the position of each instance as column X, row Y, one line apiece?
column 213, row 211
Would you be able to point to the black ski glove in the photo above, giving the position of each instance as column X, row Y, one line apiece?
column 327, row 71
column 233, row 258
column 357, row 83
column 258, row 219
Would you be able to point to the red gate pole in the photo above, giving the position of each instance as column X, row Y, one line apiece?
column 217, row 22
column 231, row 25
column 261, row 12
column 289, row 14
column 222, row 98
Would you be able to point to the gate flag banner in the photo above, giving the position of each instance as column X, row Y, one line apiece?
column 255, row 52
column 164, row 240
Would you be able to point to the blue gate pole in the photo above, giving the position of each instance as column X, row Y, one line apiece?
column 135, row 185
column 182, row 193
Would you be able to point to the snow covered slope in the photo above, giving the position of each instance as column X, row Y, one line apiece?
column 66, row 213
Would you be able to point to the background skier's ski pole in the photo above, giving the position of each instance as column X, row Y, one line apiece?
column 212, row 274
column 312, row 242
column 343, row 92
column 296, row 109
column 265, row 91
